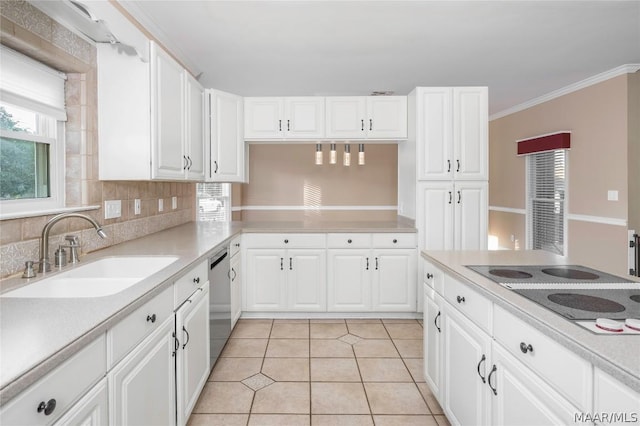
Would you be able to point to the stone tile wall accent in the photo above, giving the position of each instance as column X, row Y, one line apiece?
column 25, row 29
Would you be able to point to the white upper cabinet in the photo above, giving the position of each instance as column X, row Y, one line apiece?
column 452, row 135
column 366, row 117
column 226, row 139
column 284, row 118
column 150, row 118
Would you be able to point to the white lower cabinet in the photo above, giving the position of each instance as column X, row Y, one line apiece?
column 615, row 400
column 349, row 280
column 142, row 385
column 467, row 353
column 192, row 354
column 285, row 279
column 394, row 280
column 236, row 289
column 91, row 410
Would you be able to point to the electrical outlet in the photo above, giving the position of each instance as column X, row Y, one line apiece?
column 174, row 203
column 160, row 204
column 112, row 209
column 137, row 206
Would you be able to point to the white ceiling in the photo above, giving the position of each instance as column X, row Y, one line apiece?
column 520, row 49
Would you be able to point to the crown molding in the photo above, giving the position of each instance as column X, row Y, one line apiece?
column 598, row 78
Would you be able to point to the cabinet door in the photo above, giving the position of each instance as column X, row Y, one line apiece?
column 91, row 410
column 192, row 358
column 167, row 116
column 522, row 398
column 433, row 360
column 435, row 133
column 303, row 117
column 470, row 217
column 263, row 118
column 466, row 368
column 612, row 396
column 265, row 282
column 345, row 117
column 349, row 281
column 194, row 131
column 394, row 282
column 227, row 137
column 236, row 290
column 386, row 117
column 306, row 280
column 142, row 386
column 435, row 216
column 470, row 133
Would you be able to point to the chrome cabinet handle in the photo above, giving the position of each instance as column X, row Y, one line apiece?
column 235, row 274
column 281, row 264
column 291, row 264
column 370, row 124
column 458, row 163
column 450, row 197
column 493, row 370
column 367, row 268
column 47, row 407
column 459, row 197
column 176, row 344
column 187, row 341
column 196, row 280
column 286, row 241
column 151, row 318
column 349, row 241
column 460, row 299
column 186, row 162
column 288, row 126
column 395, row 241
column 525, row 348
column 280, row 125
column 435, row 322
column 376, row 263
column 216, row 170
column 483, row 359
column 362, row 125
column 448, row 166
column 429, row 276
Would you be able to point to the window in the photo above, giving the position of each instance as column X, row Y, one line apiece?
column 214, row 201
column 31, row 136
column 546, row 195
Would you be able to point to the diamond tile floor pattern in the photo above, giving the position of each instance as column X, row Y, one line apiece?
column 320, row 372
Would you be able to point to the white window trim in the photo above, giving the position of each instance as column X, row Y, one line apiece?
column 528, row 207
column 10, row 209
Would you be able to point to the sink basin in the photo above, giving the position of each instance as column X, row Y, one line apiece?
column 101, row 278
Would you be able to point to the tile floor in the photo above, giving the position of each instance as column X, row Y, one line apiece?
column 320, row 372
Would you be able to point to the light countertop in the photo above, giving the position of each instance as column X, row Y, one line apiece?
column 36, row 335
column 618, row 355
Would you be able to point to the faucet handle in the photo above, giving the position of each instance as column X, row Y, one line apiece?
column 73, row 240
column 29, row 272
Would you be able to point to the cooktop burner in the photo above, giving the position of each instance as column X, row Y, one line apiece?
column 635, row 298
column 570, row 273
column 509, row 273
column 585, row 302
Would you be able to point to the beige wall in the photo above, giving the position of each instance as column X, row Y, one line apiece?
column 26, row 29
column 597, row 117
column 634, row 151
column 285, row 175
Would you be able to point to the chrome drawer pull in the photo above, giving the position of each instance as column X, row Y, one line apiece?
column 493, row 370
column 151, row 318
column 48, row 407
column 483, row 359
column 460, row 299
column 435, row 322
column 429, row 276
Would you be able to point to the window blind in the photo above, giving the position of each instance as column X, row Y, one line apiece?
column 30, row 84
column 546, row 178
column 214, row 201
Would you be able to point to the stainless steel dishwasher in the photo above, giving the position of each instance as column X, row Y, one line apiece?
column 219, row 302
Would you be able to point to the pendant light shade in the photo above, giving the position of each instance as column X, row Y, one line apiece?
column 361, row 154
column 318, row 154
column 347, row 155
column 333, row 155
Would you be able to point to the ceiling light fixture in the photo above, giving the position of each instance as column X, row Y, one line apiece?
column 318, row 154
column 347, row 155
column 333, row 155
column 361, row 154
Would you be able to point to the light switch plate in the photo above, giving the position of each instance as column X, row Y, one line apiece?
column 112, row 209
column 137, row 207
column 174, row 203
column 612, row 195
column 160, row 204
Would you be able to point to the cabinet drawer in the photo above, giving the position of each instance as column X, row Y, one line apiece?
column 190, row 282
column 471, row 303
column 433, row 277
column 354, row 240
column 234, row 246
column 65, row 384
column 284, row 240
column 566, row 371
column 125, row 335
column 390, row 240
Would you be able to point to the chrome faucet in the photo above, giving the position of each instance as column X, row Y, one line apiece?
column 45, row 265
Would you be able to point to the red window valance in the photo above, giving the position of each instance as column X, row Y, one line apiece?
column 560, row 140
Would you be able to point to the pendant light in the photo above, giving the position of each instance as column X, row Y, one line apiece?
column 361, row 154
column 333, row 155
column 318, row 154
column 347, row 155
